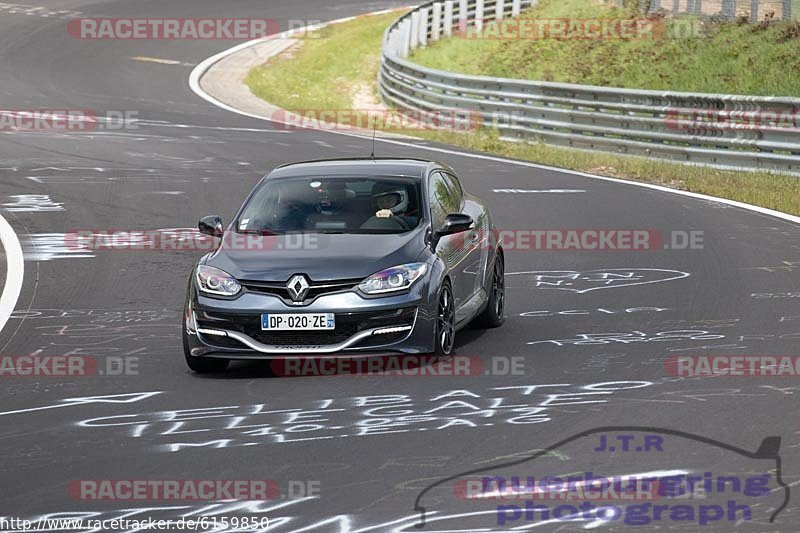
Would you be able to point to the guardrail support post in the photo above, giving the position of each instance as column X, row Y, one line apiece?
column 462, row 16
column 479, row 15
column 414, row 33
column 655, row 5
column 729, row 9
column 436, row 30
column 754, row 10
column 499, row 9
column 448, row 18
column 515, row 8
column 422, row 36
column 405, row 38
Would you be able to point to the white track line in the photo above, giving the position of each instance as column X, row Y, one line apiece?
column 15, row 271
column 200, row 69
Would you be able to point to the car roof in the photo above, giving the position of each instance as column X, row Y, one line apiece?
column 357, row 167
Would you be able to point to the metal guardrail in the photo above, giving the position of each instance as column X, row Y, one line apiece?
column 657, row 124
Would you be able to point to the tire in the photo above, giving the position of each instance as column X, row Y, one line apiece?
column 202, row 365
column 445, row 328
column 494, row 314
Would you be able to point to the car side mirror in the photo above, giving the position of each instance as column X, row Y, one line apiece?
column 454, row 223
column 211, row 225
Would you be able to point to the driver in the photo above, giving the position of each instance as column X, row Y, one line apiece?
column 385, row 203
column 390, row 204
column 388, row 200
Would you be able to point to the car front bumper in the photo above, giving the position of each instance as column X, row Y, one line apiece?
column 231, row 329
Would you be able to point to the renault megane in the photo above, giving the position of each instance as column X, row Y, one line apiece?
column 345, row 258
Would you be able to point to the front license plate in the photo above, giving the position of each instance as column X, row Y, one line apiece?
column 298, row 321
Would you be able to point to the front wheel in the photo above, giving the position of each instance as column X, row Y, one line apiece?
column 445, row 330
column 494, row 314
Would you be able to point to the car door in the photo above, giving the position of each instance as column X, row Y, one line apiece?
column 452, row 249
column 474, row 266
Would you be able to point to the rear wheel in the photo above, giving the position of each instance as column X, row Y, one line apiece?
column 445, row 322
column 202, row 365
column 494, row 314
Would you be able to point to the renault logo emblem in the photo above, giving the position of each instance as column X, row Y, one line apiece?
column 298, row 288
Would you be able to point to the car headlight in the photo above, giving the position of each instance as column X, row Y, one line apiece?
column 215, row 281
column 393, row 279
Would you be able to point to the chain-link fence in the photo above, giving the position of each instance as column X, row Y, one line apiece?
column 754, row 10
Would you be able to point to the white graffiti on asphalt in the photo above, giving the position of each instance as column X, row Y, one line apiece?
column 100, row 316
column 49, row 246
column 593, row 339
column 32, row 203
column 69, row 402
column 598, row 311
column 249, row 425
column 590, row 280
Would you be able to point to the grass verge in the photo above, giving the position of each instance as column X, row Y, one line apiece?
column 684, row 54
column 332, row 67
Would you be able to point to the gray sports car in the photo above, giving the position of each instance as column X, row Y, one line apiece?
column 345, row 258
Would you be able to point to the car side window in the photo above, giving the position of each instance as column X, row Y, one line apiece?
column 450, row 194
column 455, row 185
column 440, row 198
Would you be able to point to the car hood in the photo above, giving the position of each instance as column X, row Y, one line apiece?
column 321, row 257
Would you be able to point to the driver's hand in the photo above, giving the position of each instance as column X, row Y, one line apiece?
column 384, row 213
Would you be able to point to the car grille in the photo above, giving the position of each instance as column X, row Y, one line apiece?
column 317, row 289
column 347, row 325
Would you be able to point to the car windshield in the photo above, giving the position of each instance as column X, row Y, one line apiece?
column 333, row 205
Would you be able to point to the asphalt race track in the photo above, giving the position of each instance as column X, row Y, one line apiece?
column 590, row 330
